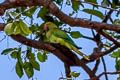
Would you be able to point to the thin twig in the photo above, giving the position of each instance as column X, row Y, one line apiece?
column 105, row 70
column 103, row 73
column 23, row 12
column 107, row 17
column 109, row 38
column 3, row 38
column 97, row 5
column 109, row 51
column 86, row 37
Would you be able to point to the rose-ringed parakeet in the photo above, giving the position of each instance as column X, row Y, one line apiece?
column 56, row 35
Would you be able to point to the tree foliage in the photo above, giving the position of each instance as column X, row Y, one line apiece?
column 26, row 18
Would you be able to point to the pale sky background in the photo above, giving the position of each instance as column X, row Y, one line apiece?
column 53, row 68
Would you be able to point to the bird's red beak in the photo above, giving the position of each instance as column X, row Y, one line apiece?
column 45, row 27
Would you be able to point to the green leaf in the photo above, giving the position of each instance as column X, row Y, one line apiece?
column 19, row 69
column 116, row 54
column 14, row 14
column 21, row 9
column 9, row 29
column 19, row 56
column 34, row 28
column 32, row 56
column 28, row 69
column 75, row 5
column 117, row 66
column 24, row 28
column 59, row 2
column 116, row 2
column 14, row 54
column 30, row 12
column 6, row 51
column 118, row 78
column 74, row 74
column 76, row 34
column 116, row 21
column 41, row 57
column 42, row 13
column 17, row 28
column 34, row 63
column 94, row 12
column 92, row 1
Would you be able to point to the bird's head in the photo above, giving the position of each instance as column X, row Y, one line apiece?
column 49, row 25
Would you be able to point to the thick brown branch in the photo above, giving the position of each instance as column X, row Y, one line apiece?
column 59, row 14
column 80, row 22
column 42, row 45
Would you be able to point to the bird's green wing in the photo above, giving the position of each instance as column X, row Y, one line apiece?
column 61, row 34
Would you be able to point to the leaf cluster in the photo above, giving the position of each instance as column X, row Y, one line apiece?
column 17, row 27
column 26, row 60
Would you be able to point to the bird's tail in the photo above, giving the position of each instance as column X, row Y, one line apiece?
column 80, row 53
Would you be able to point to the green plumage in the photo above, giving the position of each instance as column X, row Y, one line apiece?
column 55, row 35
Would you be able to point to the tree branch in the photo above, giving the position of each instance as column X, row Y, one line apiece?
column 67, row 70
column 96, row 66
column 74, row 22
column 105, row 53
column 112, row 73
column 97, row 5
column 107, row 17
column 105, row 70
column 109, row 38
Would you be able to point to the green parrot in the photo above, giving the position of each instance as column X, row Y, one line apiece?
column 55, row 35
